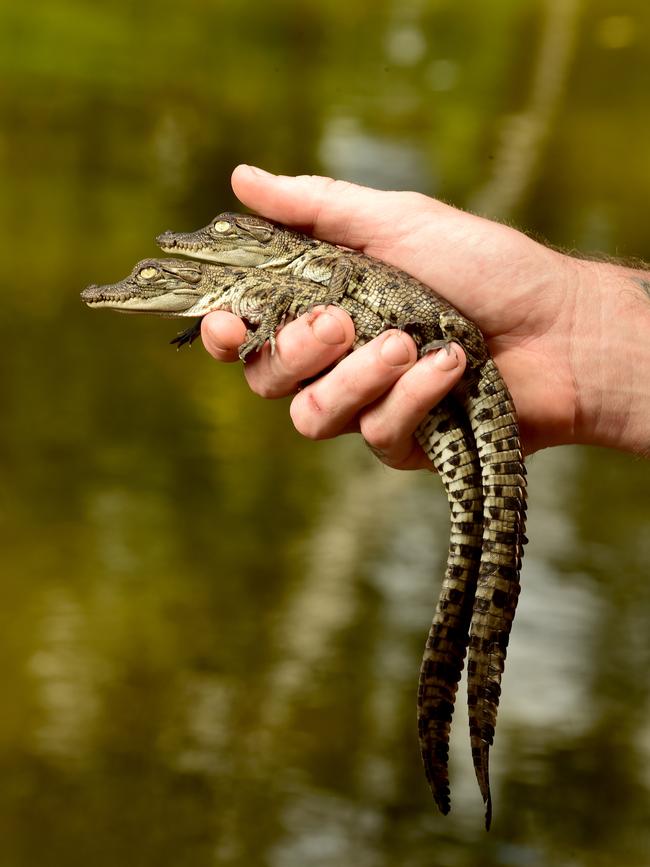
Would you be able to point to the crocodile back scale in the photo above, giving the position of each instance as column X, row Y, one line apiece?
column 265, row 273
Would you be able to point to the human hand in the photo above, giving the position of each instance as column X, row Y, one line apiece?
column 541, row 313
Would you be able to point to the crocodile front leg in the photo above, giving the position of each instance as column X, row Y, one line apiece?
column 268, row 317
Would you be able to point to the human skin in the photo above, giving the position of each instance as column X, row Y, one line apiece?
column 569, row 336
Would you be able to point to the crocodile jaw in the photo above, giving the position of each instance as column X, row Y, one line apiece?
column 167, row 304
column 171, row 242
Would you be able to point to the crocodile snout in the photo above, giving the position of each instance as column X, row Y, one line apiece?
column 89, row 292
column 166, row 238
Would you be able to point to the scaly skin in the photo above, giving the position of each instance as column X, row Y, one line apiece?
column 398, row 300
column 255, row 242
column 265, row 298
column 492, row 416
column 493, row 419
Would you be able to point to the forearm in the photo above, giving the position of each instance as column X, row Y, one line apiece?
column 611, row 356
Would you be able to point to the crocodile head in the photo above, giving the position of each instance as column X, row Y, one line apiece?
column 169, row 287
column 235, row 239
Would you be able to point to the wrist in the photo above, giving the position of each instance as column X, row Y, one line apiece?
column 610, row 355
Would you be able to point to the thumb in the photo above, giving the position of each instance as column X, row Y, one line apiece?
column 338, row 211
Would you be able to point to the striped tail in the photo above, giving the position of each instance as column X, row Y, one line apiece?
column 494, row 422
column 452, row 450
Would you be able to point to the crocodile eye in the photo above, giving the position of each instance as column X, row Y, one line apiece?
column 148, row 272
column 221, row 226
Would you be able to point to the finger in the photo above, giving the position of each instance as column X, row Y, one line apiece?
column 328, row 406
column 388, row 426
column 222, row 334
column 303, row 348
column 337, row 211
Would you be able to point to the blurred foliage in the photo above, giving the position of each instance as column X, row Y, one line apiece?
column 211, row 629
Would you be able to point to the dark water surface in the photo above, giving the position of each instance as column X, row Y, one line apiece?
column 211, row 629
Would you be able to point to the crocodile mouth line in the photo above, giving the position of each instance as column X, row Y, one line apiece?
column 104, row 300
column 96, row 296
column 184, row 247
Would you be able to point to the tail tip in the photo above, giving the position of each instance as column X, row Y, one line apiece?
column 488, row 812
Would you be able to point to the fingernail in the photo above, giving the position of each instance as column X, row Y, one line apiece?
column 328, row 329
column 394, row 351
column 262, row 173
column 446, row 359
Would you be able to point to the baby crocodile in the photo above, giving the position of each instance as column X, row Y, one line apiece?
column 377, row 297
column 487, row 406
column 183, row 288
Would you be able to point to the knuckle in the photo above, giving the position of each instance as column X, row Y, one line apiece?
column 266, row 390
column 261, row 381
column 332, row 186
column 375, row 432
column 309, row 417
column 421, row 202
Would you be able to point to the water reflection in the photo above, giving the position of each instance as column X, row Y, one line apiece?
column 211, row 629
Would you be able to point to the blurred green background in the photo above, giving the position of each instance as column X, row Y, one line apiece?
column 211, row 629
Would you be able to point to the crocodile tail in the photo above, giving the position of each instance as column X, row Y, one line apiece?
column 494, row 422
column 453, row 454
